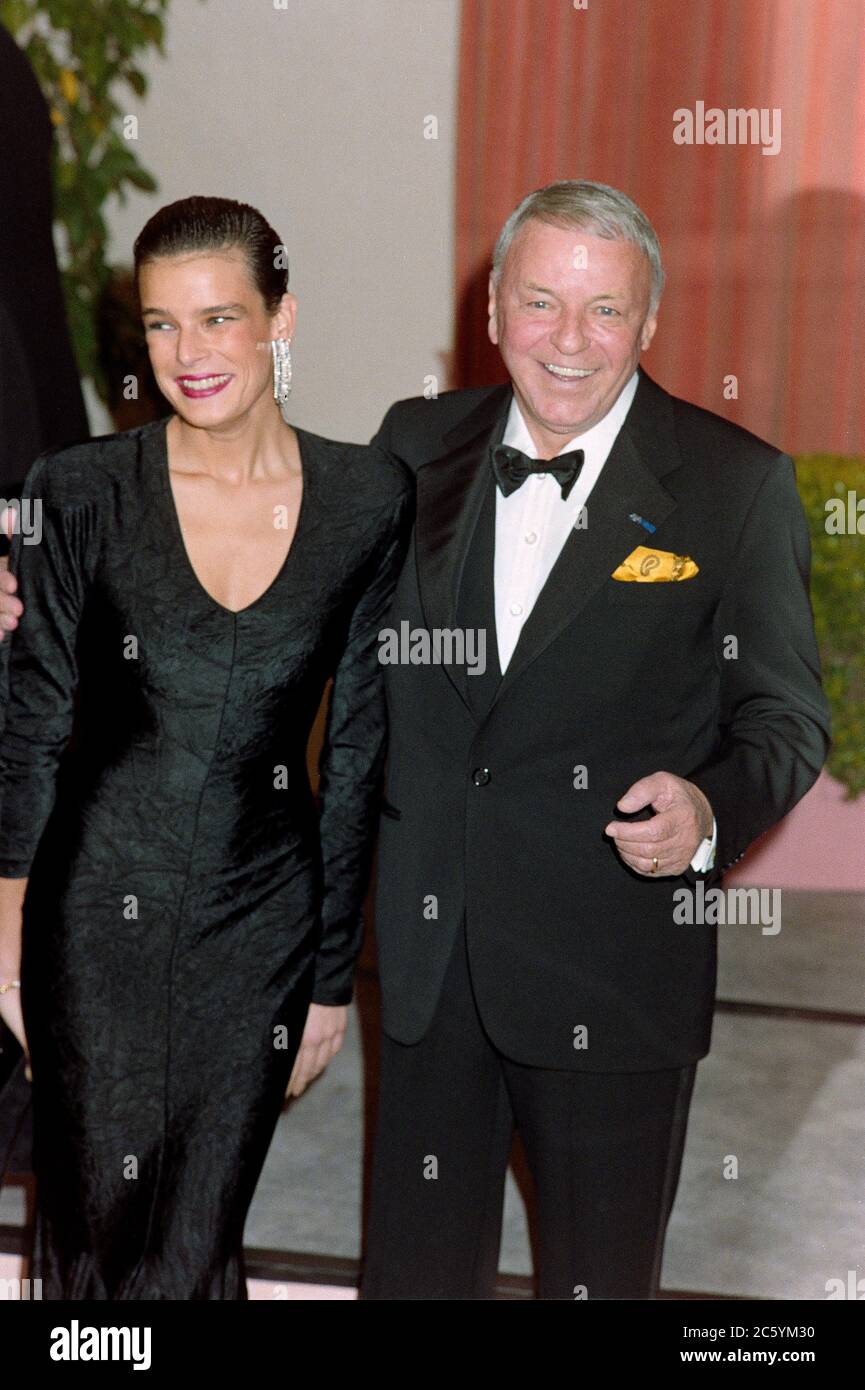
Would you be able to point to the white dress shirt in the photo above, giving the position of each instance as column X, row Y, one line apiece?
column 533, row 523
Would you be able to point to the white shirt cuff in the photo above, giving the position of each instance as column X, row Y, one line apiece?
column 704, row 859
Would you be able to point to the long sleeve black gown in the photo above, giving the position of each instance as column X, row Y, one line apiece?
column 186, row 897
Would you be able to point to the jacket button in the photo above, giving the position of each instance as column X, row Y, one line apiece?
column 481, row 776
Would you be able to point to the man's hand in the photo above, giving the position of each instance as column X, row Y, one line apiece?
column 322, row 1039
column 11, row 608
column 683, row 819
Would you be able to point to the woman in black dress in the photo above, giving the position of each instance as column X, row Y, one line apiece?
column 186, row 913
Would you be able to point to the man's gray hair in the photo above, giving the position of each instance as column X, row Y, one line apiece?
column 593, row 207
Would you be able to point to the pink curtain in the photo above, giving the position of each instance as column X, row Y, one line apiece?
column 764, row 253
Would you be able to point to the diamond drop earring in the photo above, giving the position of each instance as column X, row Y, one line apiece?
column 280, row 347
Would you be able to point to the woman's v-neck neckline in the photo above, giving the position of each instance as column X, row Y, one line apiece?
column 165, row 474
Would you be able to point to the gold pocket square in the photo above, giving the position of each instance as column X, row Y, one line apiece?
column 645, row 566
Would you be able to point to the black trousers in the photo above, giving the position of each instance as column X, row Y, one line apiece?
column 604, row 1150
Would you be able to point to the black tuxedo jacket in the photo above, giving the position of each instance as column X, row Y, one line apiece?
column 577, row 960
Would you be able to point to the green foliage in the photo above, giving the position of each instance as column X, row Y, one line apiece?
column 838, row 600
column 84, row 55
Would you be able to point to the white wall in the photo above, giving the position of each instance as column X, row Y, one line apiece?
column 314, row 113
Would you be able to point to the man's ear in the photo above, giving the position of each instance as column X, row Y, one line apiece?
column 647, row 332
column 492, row 326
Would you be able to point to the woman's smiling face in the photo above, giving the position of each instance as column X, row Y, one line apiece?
column 209, row 333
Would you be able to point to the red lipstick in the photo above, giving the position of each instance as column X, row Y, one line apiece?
column 211, row 384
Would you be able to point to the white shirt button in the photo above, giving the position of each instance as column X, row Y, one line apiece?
column 530, row 537
column 540, row 476
column 516, row 609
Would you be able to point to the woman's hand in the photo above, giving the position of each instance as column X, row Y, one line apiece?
column 12, row 894
column 11, row 607
column 322, row 1039
column 10, row 1012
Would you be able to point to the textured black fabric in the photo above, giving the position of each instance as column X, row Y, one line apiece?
column 16, row 1111
column 181, row 876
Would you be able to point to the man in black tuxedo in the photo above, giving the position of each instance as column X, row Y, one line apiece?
column 649, row 646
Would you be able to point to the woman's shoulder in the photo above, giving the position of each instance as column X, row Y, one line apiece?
column 372, row 476
column 79, row 473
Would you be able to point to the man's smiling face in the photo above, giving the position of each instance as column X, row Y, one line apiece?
column 570, row 316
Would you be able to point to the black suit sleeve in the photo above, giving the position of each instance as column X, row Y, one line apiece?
column 351, row 766
column 774, row 716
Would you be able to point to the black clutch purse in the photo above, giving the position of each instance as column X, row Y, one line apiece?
column 16, row 1112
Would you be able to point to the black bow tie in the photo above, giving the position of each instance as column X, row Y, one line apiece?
column 512, row 467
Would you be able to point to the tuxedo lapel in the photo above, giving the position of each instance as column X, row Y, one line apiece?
column 644, row 449
column 589, row 555
column 450, row 492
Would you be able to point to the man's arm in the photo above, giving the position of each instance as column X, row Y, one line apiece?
column 775, row 720
column 773, row 717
